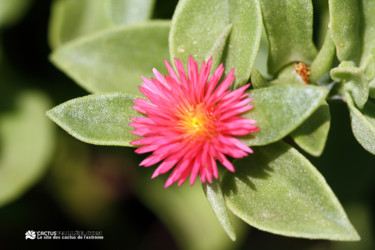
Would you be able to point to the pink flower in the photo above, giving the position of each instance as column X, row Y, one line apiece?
column 191, row 121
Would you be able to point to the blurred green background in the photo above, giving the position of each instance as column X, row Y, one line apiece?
column 51, row 181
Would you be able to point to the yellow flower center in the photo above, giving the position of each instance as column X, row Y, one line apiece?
column 196, row 121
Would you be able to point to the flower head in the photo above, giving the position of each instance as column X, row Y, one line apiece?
column 191, row 121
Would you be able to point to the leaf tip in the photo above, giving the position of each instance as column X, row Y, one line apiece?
column 231, row 234
column 51, row 114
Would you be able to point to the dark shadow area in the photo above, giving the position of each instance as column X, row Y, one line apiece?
column 164, row 9
column 344, row 161
column 369, row 109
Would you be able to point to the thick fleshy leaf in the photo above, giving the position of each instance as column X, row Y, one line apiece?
column 278, row 190
column 367, row 9
column 186, row 212
column 289, row 29
column 26, row 144
column 262, row 55
column 12, row 10
column 218, row 47
column 311, row 136
column 345, row 28
column 215, row 198
column 115, row 59
column 71, row 19
column 257, row 80
column 280, row 109
column 130, row 11
column 323, row 61
column 363, row 123
column 243, row 44
column 189, row 37
column 196, row 25
column 355, row 81
column 98, row 119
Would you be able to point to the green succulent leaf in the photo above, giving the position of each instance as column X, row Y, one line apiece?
column 289, row 29
column 363, row 123
column 244, row 41
column 323, row 61
column 130, row 11
column 278, row 190
column 189, row 37
column 26, row 145
column 101, row 119
column 257, row 80
column 368, row 67
column 261, row 58
column 218, row 47
column 345, row 28
column 355, row 81
column 115, row 59
column 71, row 19
column 196, row 26
column 311, row 136
column 216, row 200
column 280, row 109
column 367, row 9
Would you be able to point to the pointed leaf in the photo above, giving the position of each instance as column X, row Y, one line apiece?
column 257, row 80
column 289, row 30
column 278, row 190
column 311, row 136
column 115, row 60
column 363, row 123
column 323, row 61
column 26, row 145
column 98, row 119
column 345, row 28
column 280, row 109
column 215, row 198
column 243, row 44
